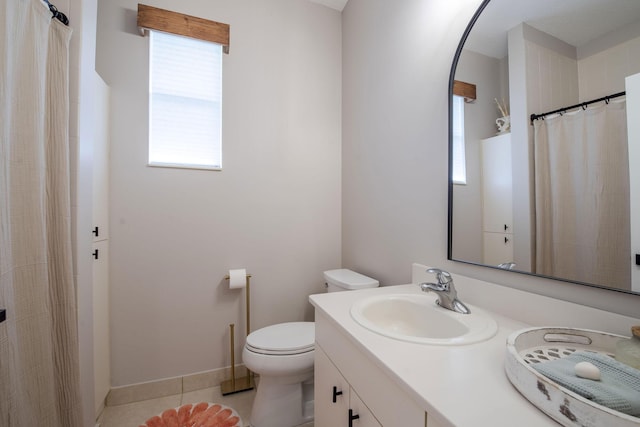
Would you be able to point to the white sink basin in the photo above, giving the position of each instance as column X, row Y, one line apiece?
column 418, row 319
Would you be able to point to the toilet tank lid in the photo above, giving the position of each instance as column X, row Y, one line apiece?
column 349, row 279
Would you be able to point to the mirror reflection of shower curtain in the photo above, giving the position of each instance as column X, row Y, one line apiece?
column 582, row 196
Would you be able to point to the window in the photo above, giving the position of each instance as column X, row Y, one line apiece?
column 185, row 88
column 185, row 102
column 462, row 93
column 459, row 174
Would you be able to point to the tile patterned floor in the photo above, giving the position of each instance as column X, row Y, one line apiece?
column 134, row 414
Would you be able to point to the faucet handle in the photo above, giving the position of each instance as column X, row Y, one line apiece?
column 444, row 277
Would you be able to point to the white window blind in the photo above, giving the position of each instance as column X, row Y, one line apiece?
column 459, row 174
column 185, row 102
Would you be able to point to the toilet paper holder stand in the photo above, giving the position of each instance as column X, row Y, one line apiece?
column 236, row 385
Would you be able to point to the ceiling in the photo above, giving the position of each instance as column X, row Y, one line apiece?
column 577, row 22
column 333, row 4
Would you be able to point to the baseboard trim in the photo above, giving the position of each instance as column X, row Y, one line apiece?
column 170, row 386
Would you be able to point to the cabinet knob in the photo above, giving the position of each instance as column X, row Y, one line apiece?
column 96, row 231
column 506, row 227
column 352, row 417
column 506, row 240
column 95, row 254
column 336, row 393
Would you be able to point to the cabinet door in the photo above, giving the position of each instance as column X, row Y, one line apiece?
column 497, row 184
column 358, row 409
column 331, row 392
column 100, row 226
column 101, row 346
column 498, row 248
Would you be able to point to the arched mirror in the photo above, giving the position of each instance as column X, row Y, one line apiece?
column 543, row 95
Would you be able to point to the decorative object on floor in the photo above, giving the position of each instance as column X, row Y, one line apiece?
column 238, row 279
column 201, row 415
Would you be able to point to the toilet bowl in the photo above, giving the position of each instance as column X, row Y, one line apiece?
column 283, row 356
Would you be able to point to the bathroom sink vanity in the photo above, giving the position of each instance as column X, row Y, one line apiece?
column 415, row 318
column 389, row 382
column 348, row 383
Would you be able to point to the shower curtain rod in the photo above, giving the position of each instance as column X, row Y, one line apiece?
column 582, row 104
column 56, row 13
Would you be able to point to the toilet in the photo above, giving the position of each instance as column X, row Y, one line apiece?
column 283, row 354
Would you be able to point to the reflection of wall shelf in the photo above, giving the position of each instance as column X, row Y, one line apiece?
column 497, row 197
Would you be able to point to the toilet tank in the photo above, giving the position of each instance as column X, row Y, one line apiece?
column 347, row 280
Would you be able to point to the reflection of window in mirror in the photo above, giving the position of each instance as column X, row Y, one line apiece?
column 459, row 175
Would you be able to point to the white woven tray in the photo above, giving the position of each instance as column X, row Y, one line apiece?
column 534, row 345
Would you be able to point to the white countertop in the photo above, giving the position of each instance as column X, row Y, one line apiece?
column 459, row 385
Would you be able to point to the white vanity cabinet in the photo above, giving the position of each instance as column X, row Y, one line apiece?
column 497, row 199
column 366, row 389
column 341, row 405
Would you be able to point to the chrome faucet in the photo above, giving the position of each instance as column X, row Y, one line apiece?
column 446, row 291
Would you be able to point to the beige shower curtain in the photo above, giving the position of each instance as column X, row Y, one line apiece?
column 39, row 369
column 582, row 196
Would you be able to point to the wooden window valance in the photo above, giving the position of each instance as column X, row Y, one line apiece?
column 465, row 90
column 153, row 18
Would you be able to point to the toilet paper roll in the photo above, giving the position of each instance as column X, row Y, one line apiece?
column 237, row 278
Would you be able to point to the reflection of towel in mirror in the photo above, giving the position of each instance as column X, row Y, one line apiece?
column 618, row 389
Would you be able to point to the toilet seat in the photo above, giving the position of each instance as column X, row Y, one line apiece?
column 283, row 339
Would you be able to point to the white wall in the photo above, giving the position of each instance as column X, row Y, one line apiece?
column 274, row 208
column 543, row 76
column 551, row 71
column 395, row 147
column 395, row 132
column 479, row 123
column 603, row 73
